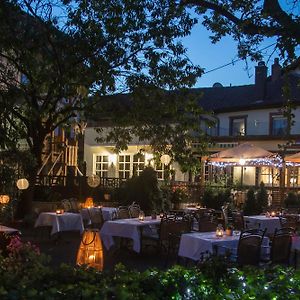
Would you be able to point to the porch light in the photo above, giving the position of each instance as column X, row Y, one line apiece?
column 148, row 157
column 165, row 159
column 242, row 161
column 90, row 252
column 112, row 158
column 4, row 199
column 22, row 184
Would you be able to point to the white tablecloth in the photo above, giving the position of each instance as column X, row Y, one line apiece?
column 8, row 230
column 193, row 245
column 107, row 213
column 64, row 222
column 262, row 222
column 127, row 228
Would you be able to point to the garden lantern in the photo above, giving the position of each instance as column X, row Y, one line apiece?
column 141, row 216
column 4, row 199
column 22, row 184
column 90, row 252
column 219, row 231
column 88, row 202
column 165, row 159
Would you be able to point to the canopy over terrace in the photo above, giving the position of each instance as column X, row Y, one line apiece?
column 293, row 159
column 245, row 155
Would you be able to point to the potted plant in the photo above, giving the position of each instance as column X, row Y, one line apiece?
column 229, row 229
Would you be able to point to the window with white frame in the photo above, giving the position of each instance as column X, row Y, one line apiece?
column 237, row 126
column 138, row 164
column 279, row 124
column 124, row 166
column 101, row 165
column 162, row 171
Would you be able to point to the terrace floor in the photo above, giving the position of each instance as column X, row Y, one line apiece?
column 63, row 249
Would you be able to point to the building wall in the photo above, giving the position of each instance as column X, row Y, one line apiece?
column 258, row 121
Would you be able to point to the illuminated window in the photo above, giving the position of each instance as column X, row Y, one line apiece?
column 101, row 165
column 124, row 166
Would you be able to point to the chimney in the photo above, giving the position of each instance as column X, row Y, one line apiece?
column 276, row 69
column 260, row 79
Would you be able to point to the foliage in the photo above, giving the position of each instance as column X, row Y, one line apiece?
column 250, row 22
column 143, row 190
column 25, row 274
column 292, row 200
column 256, row 202
column 250, row 203
column 261, row 198
column 91, row 49
column 215, row 198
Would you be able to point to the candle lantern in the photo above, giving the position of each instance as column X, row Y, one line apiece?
column 88, row 202
column 90, row 252
column 59, row 211
column 4, row 199
column 273, row 214
column 219, row 231
column 141, row 216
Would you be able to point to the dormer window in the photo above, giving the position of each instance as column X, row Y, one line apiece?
column 278, row 124
column 237, row 126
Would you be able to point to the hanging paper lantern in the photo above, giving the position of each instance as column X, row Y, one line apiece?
column 165, row 159
column 90, row 252
column 4, row 199
column 22, row 184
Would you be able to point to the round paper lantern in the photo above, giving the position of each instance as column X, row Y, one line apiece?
column 165, row 159
column 90, row 252
column 93, row 180
column 4, row 199
column 22, row 184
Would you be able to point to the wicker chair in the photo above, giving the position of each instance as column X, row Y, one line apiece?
column 96, row 218
column 281, row 245
column 207, row 223
column 249, row 247
column 134, row 210
column 123, row 212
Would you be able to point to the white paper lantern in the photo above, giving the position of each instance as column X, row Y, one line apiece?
column 165, row 159
column 22, row 184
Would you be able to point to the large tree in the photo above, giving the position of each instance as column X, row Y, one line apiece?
column 249, row 22
column 67, row 52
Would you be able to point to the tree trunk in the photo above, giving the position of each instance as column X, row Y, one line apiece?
column 25, row 197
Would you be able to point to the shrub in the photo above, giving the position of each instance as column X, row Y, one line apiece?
column 24, row 274
column 215, row 198
column 261, row 198
column 143, row 190
column 250, row 203
column 291, row 200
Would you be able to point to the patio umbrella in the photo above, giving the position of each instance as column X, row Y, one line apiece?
column 244, row 154
column 294, row 158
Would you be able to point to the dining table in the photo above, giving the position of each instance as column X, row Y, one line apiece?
column 263, row 222
column 127, row 228
column 195, row 245
column 60, row 222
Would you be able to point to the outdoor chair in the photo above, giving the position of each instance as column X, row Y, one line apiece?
column 166, row 239
column 248, row 251
column 238, row 220
column 289, row 221
column 281, row 245
column 134, row 210
column 96, row 218
column 206, row 223
column 123, row 212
